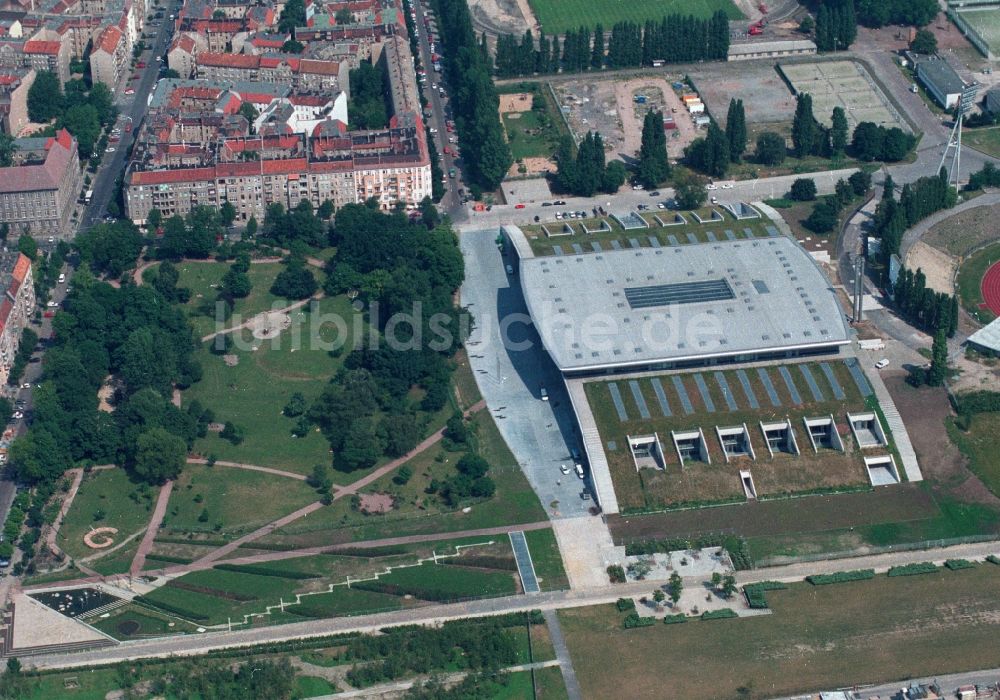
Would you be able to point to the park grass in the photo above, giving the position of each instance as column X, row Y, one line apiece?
column 543, row 245
column 416, row 512
column 980, row 445
column 970, row 277
column 443, row 583
column 986, row 140
column 546, row 559
column 530, row 134
column 253, row 393
column 344, row 601
column 549, row 684
column 558, row 16
column 238, row 499
column 126, row 506
column 312, row 686
column 698, row 483
column 203, row 279
column 117, row 562
column 873, row 631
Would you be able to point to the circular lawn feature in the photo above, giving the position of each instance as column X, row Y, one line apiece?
column 127, row 628
column 989, row 289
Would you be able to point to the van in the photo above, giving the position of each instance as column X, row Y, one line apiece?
column 510, row 270
column 579, row 470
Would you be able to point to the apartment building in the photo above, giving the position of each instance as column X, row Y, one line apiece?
column 16, row 307
column 38, row 191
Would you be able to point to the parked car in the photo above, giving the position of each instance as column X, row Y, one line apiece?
column 564, row 469
column 543, row 392
column 519, row 206
column 579, row 470
column 882, row 364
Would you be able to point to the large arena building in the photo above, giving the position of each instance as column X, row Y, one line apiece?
column 682, row 306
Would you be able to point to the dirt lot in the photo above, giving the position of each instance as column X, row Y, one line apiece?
column 515, row 102
column 765, row 96
column 938, row 266
column 607, row 107
column 924, row 411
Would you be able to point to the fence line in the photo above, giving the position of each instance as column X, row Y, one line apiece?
column 971, row 34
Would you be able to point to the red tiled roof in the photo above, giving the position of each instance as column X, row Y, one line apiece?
column 315, row 67
column 309, row 100
column 21, row 268
column 161, row 177
column 108, row 40
column 228, row 60
column 184, row 42
column 47, row 47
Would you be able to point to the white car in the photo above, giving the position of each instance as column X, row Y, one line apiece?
column 433, row 130
column 52, row 304
column 18, row 415
column 712, row 186
column 109, row 149
column 728, row 186
column 579, row 470
column 564, row 469
column 882, row 364
column 661, row 205
column 26, row 385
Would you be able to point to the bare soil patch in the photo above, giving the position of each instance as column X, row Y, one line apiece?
column 515, row 102
column 375, row 503
column 938, row 266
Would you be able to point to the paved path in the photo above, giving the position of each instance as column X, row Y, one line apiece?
column 900, row 436
column 154, row 526
column 246, row 324
column 948, row 684
column 252, row 468
column 191, row 645
column 562, row 654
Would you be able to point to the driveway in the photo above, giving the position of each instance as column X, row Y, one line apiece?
column 538, row 432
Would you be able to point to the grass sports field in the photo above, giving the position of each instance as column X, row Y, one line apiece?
column 986, row 23
column 879, row 630
column 556, row 16
column 970, row 277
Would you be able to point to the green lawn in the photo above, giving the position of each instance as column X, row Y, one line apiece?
column 416, row 512
column 238, row 499
column 557, row 16
column 253, row 393
column 970, row 277
column 312, row 686
column 882, row 630
column 986, row 140
column 121, row 624
column 531, row 134
column 203, row 279
column 443, row 583
column 345, row 601
column 106, row 499
column 546, row 559
column 981, row 445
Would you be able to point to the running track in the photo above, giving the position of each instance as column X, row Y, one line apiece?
column 989, row 288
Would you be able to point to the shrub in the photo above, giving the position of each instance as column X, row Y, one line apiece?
column 624, row 604
column 616, row 574
column 633, row 620
column 779, row 203
column 993, row 559
column 841, row 577
column 913, row 569
column 721, row 614
column 755, row 592
column 803, row 190
column 675, row 619
column 957, row 564
column 169, row 559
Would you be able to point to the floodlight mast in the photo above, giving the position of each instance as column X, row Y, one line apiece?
column 965, row 102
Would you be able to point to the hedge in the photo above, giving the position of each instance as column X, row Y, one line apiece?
column 957, row 564
column 368, row 552
column 482, row 562
column 633, row 620
column 913, row 569
column 675, row 619
column 755, row 592
column 624, row 604
column 165, row 607
column 169, row 559
column 184, row 540
column 721, row 614
column 841, row 577
column 266, row 571
column 993, row 559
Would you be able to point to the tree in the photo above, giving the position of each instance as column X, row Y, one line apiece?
column 838, row 132
column 803, row 190
column 251, row 227
column 939, row 358
column 597, row 53
column 924, row 42
column 227, row 213
column 807, row 25
column 804, row 127
column 824, row 216
column 235, row 285
column 45, row 97
column 689, row 190
column 344, row 16
column 153, row 220
column 293, row 46
column 728, row 586
column 294, row 15
column 7, row 149
column 325, row 209
column 232, row 432
column 659, row 596
column 27, row 245
column 770, row 149
column 860, row 182
column 296, row 281
column 675, row 586
column 654, row 167
column 736, row 130
column 159, row 456
column 296, row 405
